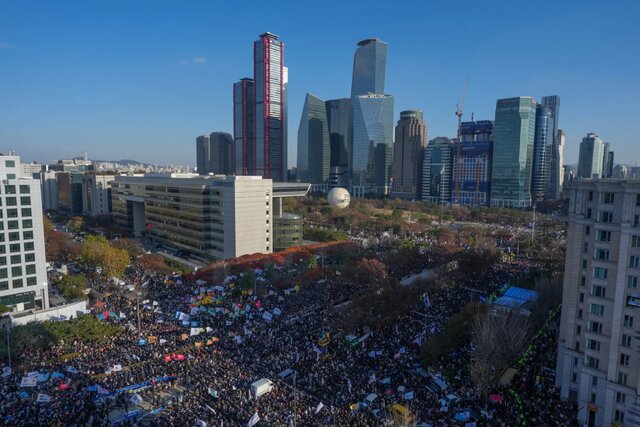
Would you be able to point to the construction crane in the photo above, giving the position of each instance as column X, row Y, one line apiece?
column 459, row 107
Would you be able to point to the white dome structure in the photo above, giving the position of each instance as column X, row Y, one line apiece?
column 339, row 197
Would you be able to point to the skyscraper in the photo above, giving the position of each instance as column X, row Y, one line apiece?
column 514, row 132
column 372, row 126
column 542, row 149
column 270, row 79
column 472, row 159
column 313, row 142
column 244, row 127
column 408, row 152
column 215, row 154
column 340, row 141
column 591, row 156
column 436, row 170
column 369, row 67
column 607, row 161
column 557, row 148
column 372, row 120
column 597, row 363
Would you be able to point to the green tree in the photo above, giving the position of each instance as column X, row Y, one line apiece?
column 73, row 286
column 93, row 250
column 115, row 261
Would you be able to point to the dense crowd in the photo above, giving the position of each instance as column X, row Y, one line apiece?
column 201, row 345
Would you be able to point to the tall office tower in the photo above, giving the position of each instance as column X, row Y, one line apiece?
column 542, row 149
column 49, row 189
column 369, row 67
column 244, row 127
column 372, row 126
column 372, row 120
column 436, row 170
column 472, row 157
column 620, row 172
column 556, row 173
column 270, row 107
column 590, row 159
column 313, row 142
column 597, row 364
column 23, row 275
column 340, row 140
column 408, row 153
column 215, row 154
column 513, row 136
column 607, row 161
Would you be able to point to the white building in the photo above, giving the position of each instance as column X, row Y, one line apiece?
column 209, row 217
column 49, row 186
column 23, row 276
column 96, row 194
column 598, row 365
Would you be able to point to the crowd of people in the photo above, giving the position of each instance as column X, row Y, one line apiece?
column 191, row 350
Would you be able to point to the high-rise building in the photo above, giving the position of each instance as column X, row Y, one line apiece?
column 96, row 194
column 244, row 127
column 313, row 142
column 472, row 158
column 607, row 161
column 597, row 365
column 542, row 149
column 49, row 187
column 270, row 77
column 408, row 153
column 372, row 126
column 215, row 154
column 372, row 120
column 620, row 172
column 369, row 67
column 436, row 170
column 340, row 140
column 591, row 156
column 556, row 173
column 513, row 136
column 23, row 275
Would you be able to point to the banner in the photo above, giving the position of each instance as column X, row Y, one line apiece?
column 152, row 339
column 43, row 398
column 117, row 368
column 253, row 420
column 6, row 371
column 195, row 331
column 319, row 407
column 136, row 399
column 29, row 382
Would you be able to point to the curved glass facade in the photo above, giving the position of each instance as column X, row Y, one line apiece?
column 542, row 148
column 287, row 231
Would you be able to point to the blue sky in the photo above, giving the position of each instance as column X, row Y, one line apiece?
column 142, row 79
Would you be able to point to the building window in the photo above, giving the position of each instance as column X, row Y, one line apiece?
column 580, row 313
column 29, row 257
column 30, row 269
column 593, row 362
column 632, row 282
column 12, row 201
column 607, row 198
column 27, row 235
column 624, row 359
column 25, row 201
column 628, row 321
column 584, row 262
column 585, row 248
column 621, row 397
column 590, row 195
column 600, row 273
column 636, row 221
column 594, row 381
column 16, row 259
column 589, row 213
column 587, row 230
column 16, row 271
column 28, row 246
column 595, row 327
column 626, row 341
column 4, row 285
column 622, row 378
column 24, row 189
column 574, row 377
column 26, row 211
column 12, row 213
column 596, row 309
column 605, row 217
column 14, row 247
column 635, row 241
column 634, row 261
column 601, row 254
column 3, row 273
column 3, row 260
column 27, row 223
column 637, row 199
column 619, row 417
column 578, row 329
column 10, row 163
column 13, row 225
column 593, row 345
column 32, row 281
column 598, row 291
column 603, row 236
column 14, row 236
column 17, row 283
column 581, row 297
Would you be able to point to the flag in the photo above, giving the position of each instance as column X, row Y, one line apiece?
column 195, row 331
column 253, row 420
column 213, row 393
column 372, row 378
column 43, row 398
column 117, row 368
column 122, row 316
column 426, row 301
column 162, row 341
column 6, row 371
column 101, row 390
column 386, row 380
column 71, row 370
column 29, row 382
column 319, row 407
column 136, row 399
column 200, row 423
column 408, row 396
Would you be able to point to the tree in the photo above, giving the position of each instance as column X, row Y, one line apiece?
column 115, row 261
column 72, row 286
column 152, row 263
column 93, row 250
column 133, row 247
column 76, row 224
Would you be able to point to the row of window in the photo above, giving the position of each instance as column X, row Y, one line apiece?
column 15, row 247
column 18, row 283
column 17, row 271
column 11, row 189
column 608, row 198
column 15, row 224
column 14, row 236
column 17, row 259
column 13, row 213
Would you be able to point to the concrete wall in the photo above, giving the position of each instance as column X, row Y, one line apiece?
column 67, row 310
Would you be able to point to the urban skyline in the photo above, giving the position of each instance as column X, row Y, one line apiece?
column 94, row 91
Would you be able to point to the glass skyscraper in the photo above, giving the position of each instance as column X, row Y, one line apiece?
column 340, row 140
column 472, row 159
column 436, row 170
column 372, row 120
column 270, row 107
column 542, row 152
column 591, row 157
column 514, row 133
column 244, row 127
column 557, row 149
column 313, row 142
column 369, row 67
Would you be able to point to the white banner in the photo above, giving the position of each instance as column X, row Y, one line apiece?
column 43, row 398
column 29, row 382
